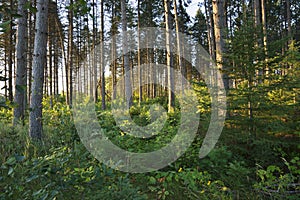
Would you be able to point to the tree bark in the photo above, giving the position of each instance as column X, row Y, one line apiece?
column 113, row 51
column 265, row 37
column 10, row 55
column 128, row 89
column 257, row 12
column 220, row 35
column 289, row 21
column 31, row 36
column 171, row 97
column 70, row 58
column 39, row 61
column 210, row 29
column 178, row 39
column 139, row 55
column 95, row 73
column 21, row 78
column 102, row 57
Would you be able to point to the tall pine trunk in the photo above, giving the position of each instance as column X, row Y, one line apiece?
column 102, row 57
column 139, row 55
column 69, row 74
column 220, row 36
column 171, row 97
column 265, row 38
column 289, row 19
column 21, row 78
column 10, row 54
column 95, row 70
column 178, row 40
column 39, row 62
column 210, row 29
column 128, row 90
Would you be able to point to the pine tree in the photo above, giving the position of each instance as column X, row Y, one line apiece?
column 21, row 78
column 171, row 97
column 128, row 89
column 39, row 62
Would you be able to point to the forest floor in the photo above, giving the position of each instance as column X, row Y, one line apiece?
column 243, row 165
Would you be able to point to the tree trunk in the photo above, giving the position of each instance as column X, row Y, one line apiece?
column 257, row 24
column 113, row 51
column 257, row 12
column 70, row 57
column 95, row 73
column 289, row 22
column 209, row 28
column 10, row 55
column 265, row 38
column 21, row 78
column 179, row 52
column 102, row 57
column 139, row 55
column 171, row 97
column 220, row 33
column 39, row 61
column 128, row 90
column 31, row 36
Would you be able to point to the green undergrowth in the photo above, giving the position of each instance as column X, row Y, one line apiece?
column 243, row 165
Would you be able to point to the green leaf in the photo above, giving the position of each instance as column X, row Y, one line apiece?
column 152, row 189
column 31, row 178
column 44, row 197
column 152, row 180
column 54, row 193
column 20, row 158
column 10, row 171
column 11, row 161
column 37, row 192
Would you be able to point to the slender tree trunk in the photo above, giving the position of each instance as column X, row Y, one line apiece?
column 21, row 78
column 10, row 55
column 5, row 68
column 31, row 36
column 39, row 61
column 211, row 29
column 208, row 28
column 128, row 89
column 220, row 35
column 265, row 38
column 179, row 52
column 257, row 12
column 102, row 57
column 113, row 52
column 45, row 90
column 56, row 79
column 95, row 73
column 171, row 97
column 289, row 21
column 139, row 55
column 257, row 24
column 70, row 56
column 50, row 47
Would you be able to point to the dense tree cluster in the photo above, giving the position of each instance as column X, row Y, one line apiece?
column 249, row 40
